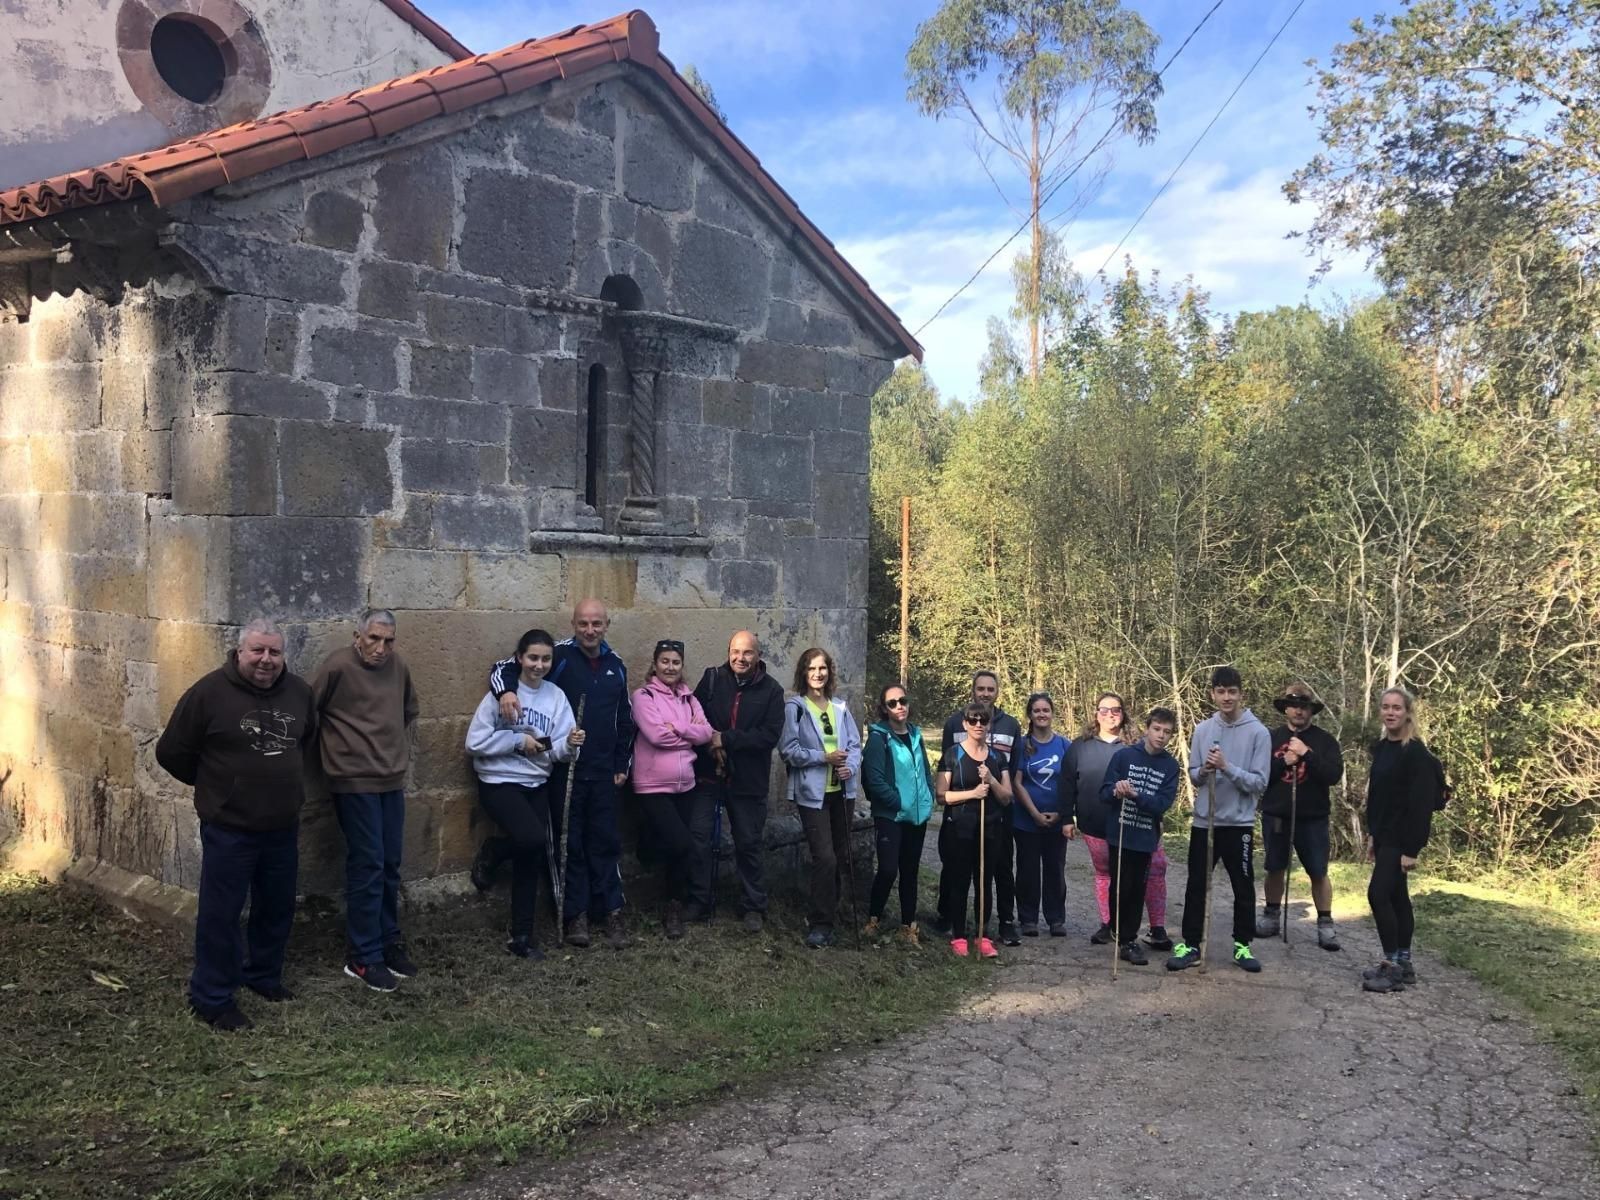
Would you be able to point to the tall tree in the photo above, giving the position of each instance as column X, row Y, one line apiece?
column 1053, row 69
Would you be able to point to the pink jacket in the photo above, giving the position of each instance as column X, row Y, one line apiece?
column 663, row 759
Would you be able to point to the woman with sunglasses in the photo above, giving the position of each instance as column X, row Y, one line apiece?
column 670, row 725
column 972, row 786
column 1036, row 821
column 821, row 745
column 1107, row 731
column 894, row 771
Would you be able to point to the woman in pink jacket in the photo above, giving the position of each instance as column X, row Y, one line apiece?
column 670, row 725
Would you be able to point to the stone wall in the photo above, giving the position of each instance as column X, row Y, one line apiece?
column 370, row 385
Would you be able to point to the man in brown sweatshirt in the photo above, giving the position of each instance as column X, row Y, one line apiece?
column 366, row 705
column 238, row 737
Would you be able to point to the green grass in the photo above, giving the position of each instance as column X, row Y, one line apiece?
column 111, row 1091
column 1537, row 950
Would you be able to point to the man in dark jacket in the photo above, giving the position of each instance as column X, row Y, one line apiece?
column 745, row 706
column 1306, row 763
column 589, row 672
column 239, row 736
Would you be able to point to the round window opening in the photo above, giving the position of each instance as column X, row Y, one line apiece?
column 189, row 59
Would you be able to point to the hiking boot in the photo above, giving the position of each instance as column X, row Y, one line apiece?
column 1183, row 957
column 986, row 949
column 1009, row 934
column 1385, row 977
column 1058, row 929
column 872, row 928
column 484, row 863
column 1101, row 936
column 1328, row 936
column 1243, row 959
column 1408, row 973
column 909, row 934
column 616, row 931
column 398, row 961
column 672, row 924
column 1133, row 954
column 1270, row 923
column 753, row 921
column 819, row 936
column 578, row 931
column 1030, row 929
column 227, row 1019
column 958, row 947
column 276, row 993
column 695, row 914
column 375, row 975
column 524, row 946
column 1158, row 939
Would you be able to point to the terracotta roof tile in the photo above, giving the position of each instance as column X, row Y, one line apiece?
column 187, row 168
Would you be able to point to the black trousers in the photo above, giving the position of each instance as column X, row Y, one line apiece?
column 899, row 846
column 1389, row 894
column 1127, row 891
column 1041, row 870
column 746, row 818
column 524, row 813
column 997, row 865
column 827, row 831
column 667, row 820
column 1234, row 843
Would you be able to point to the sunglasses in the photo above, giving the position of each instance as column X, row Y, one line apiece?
column 978, row 720
column 1296, row 702
column 827, row 724
column 897, row 702
column 669, row 644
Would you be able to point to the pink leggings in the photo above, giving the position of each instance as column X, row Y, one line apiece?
column 1155, row 888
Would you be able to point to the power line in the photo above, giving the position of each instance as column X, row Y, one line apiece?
column 1195, row 145
column 1076, row 167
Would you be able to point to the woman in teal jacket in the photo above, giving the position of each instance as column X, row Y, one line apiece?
column 894, row 769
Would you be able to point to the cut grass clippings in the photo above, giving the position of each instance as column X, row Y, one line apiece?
column 112, row 1091
column 1531, row 951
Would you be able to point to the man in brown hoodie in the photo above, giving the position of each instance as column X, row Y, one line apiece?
column 238, row 737
column 365, row 706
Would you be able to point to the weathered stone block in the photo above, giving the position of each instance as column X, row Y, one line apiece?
column 76, row 523
column 140, row 710
column 450, row 420
column 147, row 462
column 264, row 266
column 561, row 152
column 793, row 324
column 771, row 467
column 679, row 399
column 185, row 652
column 355, row 356
column 334, row 220
column 843, row 505
column 559, row 384
column 418, row 579
column 676, row 581
column 764, row 538
column 38, row 399
column 440, row 751
column 803, row 367
column 188, row 567
column 411, row 529
column 855, row 412
column 692, row 460
column 841, row 450
column 844, row 372
column 16, row 474
column 50, row 456
column 521, row 582
column 94, row 460
column 412, row 224
column 814, row 572
column 19, row 522
column 518, row 228
column 503, row 378
column 799, row 412
column 716, row 204
column 440, row 371
column 226, row 465
column 245, row 393
column 720, row 276
column 544, row 448
column 72, row 331
column 479, row 523
column 101, row 582
column 296, row 568
column 334, row 470
column 387, row 290
column 429, row 465
column 96, row 682
column 657, row 168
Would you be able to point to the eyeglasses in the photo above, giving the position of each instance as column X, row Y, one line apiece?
column 1109, row 712
column 978, row 720
column 897, row 702
column 827, row 725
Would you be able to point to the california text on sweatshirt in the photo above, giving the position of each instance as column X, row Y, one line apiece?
column 1155, row 779
column 1247, row 747
column 494, row 742
column 364, row 715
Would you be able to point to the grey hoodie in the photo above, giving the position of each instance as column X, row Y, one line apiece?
column 1247, row 747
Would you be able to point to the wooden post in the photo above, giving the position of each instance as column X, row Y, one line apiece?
column 905, row 588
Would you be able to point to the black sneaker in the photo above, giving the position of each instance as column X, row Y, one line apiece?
column 1244, row 960
column 1009, row 934
column 818, row 936
column 1058, row 929
column 1133, row 954
column 398, row 961
column 227, row 1019
column 484, row 863
column 1158, row 938
column 274, row 992
column 525, row 947
column 1183, row 957
column 1101, row 936
column 375, row 975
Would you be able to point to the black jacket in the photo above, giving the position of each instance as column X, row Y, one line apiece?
column 242, row 748
column 749, row 716
column 1401, row 793
column 1318, row 772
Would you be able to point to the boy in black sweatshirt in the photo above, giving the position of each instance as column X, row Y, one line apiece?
column 1306, row 763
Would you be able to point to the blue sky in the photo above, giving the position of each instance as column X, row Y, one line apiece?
column 817, row 89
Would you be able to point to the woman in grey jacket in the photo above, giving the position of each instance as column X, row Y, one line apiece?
column 821, row 746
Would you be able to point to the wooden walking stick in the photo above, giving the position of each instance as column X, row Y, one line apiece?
column 1116, row 898
column 1288, row 866
column 1211, row 858
column 558, row 868
column 982, row 878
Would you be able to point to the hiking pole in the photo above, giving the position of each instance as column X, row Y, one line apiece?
column 1116, row 898
column 559, row 868
column 1288, row 866
column 983, row 928
column 1211, row 858
column 716, row 851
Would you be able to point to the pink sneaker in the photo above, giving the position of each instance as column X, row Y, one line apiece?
column 959, row 946
column 986, row 949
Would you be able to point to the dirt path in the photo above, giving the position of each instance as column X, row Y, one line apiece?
column 1165, row 1086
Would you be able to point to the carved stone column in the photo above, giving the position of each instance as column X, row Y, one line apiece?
column 644, row 350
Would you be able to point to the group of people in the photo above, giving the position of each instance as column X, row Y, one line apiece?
column 559, row 735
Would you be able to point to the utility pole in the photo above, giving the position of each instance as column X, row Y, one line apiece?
column 905, row 589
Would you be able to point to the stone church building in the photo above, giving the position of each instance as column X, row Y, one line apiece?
column 482, row 337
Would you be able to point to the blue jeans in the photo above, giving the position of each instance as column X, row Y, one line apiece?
column 374, row 826
column 594, row 846
column 236, row 864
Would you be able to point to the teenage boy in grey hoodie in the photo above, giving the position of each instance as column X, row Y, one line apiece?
column 1229, row 758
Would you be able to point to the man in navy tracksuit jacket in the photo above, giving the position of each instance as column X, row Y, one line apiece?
column 587, row 670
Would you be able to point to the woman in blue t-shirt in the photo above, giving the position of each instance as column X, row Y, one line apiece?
column 1040, row 829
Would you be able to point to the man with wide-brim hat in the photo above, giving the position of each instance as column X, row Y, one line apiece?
column 1306, row 763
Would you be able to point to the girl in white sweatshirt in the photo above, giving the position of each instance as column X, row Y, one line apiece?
column 513, row 762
